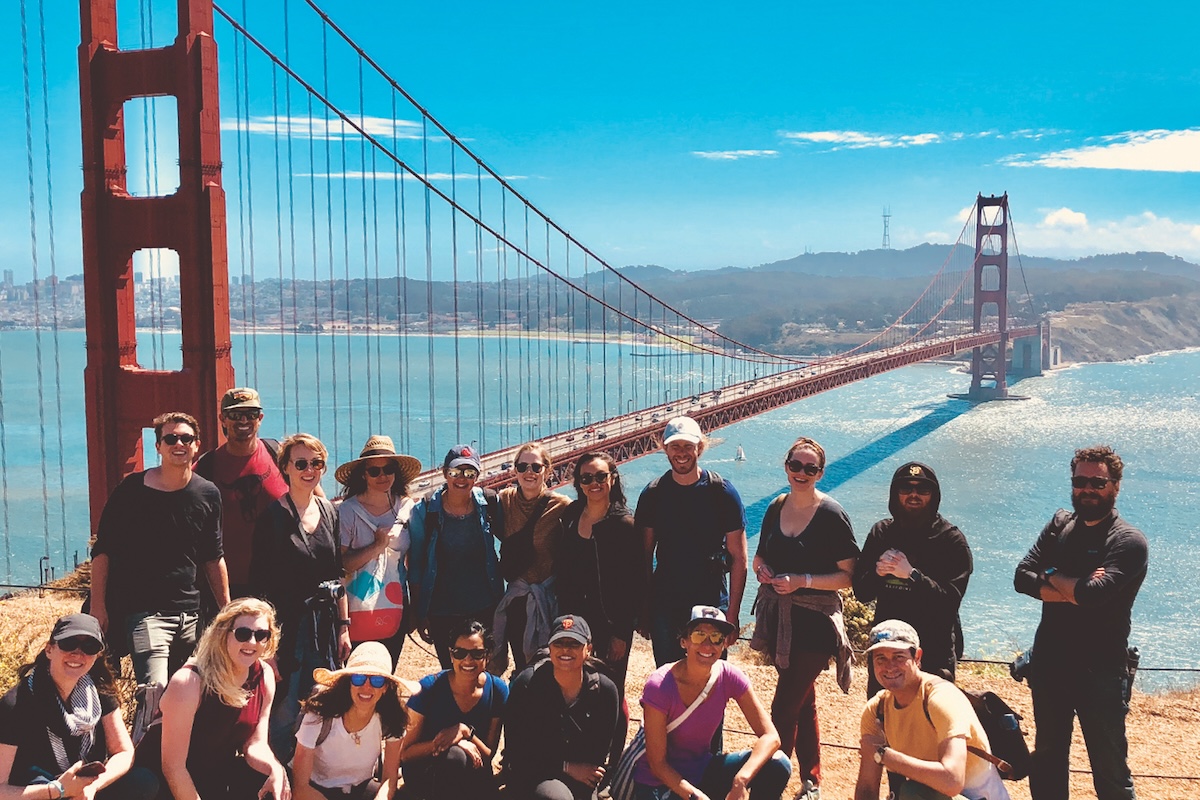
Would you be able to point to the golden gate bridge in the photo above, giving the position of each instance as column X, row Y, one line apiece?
column 384, row 277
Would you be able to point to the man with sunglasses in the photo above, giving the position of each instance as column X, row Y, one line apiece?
column 244, row 469
column 158, row 529
column 694, row 529
column 1086, row 568
column 915, row 565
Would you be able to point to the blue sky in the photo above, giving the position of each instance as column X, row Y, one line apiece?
column 702, row 135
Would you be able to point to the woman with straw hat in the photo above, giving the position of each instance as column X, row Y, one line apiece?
column 374, row 541
column 354, row 715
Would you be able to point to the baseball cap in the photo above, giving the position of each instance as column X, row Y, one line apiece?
column 684, row 428
column 570, row 626
column 77, row 625
column 462, row 455
column 710, row 614
column 243, row 397
column 893, row 633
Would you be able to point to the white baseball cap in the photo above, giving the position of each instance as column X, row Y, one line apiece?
column 684, row 428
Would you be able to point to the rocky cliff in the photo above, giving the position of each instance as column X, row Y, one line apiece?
column 1117, row 331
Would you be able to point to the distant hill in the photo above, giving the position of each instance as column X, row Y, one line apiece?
column 924, row 259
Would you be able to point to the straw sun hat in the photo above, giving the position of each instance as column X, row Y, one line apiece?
column 369, row 658
column 381, row 447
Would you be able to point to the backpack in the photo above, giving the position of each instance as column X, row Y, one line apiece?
column 433, row 518
column 1009, row 754
column 716, row 485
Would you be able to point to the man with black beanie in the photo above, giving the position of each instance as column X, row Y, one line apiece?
column 916, row 565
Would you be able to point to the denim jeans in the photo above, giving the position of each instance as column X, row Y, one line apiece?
column 159, row 643
column 1099, row 695
column 293, row 688
column 768, row 784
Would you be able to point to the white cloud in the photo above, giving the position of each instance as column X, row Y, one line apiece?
column 1065, row 218
column 734, row 155
column 387, row 174
column 859, row 140
column 1143, row 151
column 1065, row 232
column 301, row 127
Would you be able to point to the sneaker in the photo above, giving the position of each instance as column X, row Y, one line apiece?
column 810, row 791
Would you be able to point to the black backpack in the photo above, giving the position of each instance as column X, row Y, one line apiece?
column 1002, row 725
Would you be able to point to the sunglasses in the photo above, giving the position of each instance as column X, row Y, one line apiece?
column 84, row 644
column 796, row 465
column 243, row 414
column 587, row 477
column 1081, row 482
column 712, row 637
column 377, row 681
column 388, row 469
column 303, row 463
column 173, row 439
column 923, row 491
column 470, row 473
column 523, row 467
column 244, row 634
column 459, row 653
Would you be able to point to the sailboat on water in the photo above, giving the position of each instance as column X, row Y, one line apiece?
column 741, row 454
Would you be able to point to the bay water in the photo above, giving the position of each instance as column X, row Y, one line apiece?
column 1003, row 466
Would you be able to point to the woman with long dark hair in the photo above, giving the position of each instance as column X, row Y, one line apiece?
column 297, row 566
column 601, row 576
column 375, row 540
column 454, row 723
column 212, row 742
column 61, row 730
column 354, row 714
column 806, row 553
column 527, row 556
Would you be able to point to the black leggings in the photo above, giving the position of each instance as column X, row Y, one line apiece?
column 450, row 776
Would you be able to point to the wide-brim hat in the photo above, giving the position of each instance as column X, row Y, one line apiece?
column 380, row 447
column 369, row 658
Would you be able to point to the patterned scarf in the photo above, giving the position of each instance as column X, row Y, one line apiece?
column 72, row 731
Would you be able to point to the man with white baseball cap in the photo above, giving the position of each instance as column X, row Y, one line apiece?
column 694, row 527
column 920, row 728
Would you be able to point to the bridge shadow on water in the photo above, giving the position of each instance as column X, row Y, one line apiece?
column 872, row 453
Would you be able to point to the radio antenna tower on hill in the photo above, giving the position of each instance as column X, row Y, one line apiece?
column 887, row 219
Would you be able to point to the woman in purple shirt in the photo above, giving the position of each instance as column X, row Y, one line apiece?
column 679, row 763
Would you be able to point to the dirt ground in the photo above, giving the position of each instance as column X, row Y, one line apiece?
column 1164, row 729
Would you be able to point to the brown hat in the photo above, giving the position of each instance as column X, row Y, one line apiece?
column 243, row 397
column 380, row 447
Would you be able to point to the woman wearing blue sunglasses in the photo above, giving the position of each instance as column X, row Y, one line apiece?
column 353, row 717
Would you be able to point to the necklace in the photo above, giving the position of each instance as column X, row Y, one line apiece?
column 357, row 739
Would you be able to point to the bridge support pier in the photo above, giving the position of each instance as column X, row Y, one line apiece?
column 122, row 398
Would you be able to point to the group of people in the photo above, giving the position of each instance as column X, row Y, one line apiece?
column 278, row 690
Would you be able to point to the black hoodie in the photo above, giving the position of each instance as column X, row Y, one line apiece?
column 934, row 547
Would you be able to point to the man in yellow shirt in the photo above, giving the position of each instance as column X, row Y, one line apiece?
column 918, row 727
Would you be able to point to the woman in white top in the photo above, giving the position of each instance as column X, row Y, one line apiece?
column 374, row 541
column 354, row 716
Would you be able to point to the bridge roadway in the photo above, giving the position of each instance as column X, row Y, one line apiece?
column 637, row 433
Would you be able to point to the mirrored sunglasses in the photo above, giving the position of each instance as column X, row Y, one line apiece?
column 712, row 637
column 303, row 463
column 377, row 681
column 470, row 473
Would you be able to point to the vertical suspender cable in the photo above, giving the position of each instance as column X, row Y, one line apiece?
column 143, row 41
column 502, row 304
column 58, row 390
column 345, row 180
column 333, row 360
column 243, row 126
column 429, row 281
column 479, row 337
column 316, row 283
column 37, row 321
column 404, row 376
column 362, row 169
column 458, row 437
column 378, row 317
column 283, row 376
column 291, row 198
column 4, row 473
column 250, row 217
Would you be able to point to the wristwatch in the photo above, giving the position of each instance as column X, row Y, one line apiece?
column 916, row 575
column 879, row 754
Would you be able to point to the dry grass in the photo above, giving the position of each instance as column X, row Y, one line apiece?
column 1164, row 729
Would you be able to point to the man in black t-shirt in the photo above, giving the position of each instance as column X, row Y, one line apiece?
column 916, row 566
column 1086, row 568
column 158, row 528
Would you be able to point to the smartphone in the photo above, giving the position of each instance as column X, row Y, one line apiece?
column 91, row 769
